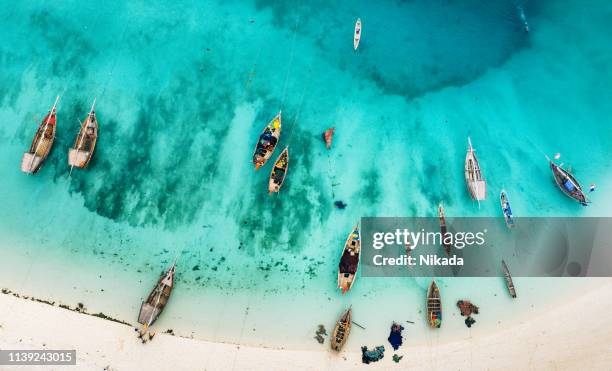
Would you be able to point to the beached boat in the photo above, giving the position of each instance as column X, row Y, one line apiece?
column 279, row 171
column 505, row 205
column 85, row 144
column 41, row 145
column 357, row 35
column 568, row 184
column 443, row 229
column 341, row 331
column 349, row 261
column 158, row 298
column 267, row 142
column 434, row 306
column 508, row 277
column 473, row 176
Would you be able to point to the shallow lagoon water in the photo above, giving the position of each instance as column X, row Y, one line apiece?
column 183, row 90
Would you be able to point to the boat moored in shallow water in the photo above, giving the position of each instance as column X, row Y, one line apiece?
column 157, row 299
column 443, row 229
column 473, row 176
column 434, row 306
column 41, row 145
column 267, row 142
column 349, row 261
column 357, row 35
column 341, row 331
column 508, row 278
column 568, row 184
column 505, row 205
column 279, row 171
column 85, row 144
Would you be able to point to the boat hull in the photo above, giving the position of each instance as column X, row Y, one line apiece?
column 279, row 172
column 568, row 184
column 32, row 161
column 349, row 261
column 267, row 142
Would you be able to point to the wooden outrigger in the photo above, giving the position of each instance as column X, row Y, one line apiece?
column 508, row 278
column 267, row 142
column 341, row 331
column 41, row 145
column 505, row 205
column 443, row 229
column 568, row 184
column 434, row 306
column 279, row 171
column 85, row 144
column 157, row 299
column 473, row 176
column 349, row 261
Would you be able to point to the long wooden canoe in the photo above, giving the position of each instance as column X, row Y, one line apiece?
column 267, row 142
column 41, row 145
column 341, row 331
column 279, row 171
column 505, row 205
column 349, row 261
column 85, row 143
column 443, row 229
column 568, row 184
column 158, row 298
column 357, row 35
column 508, row 278
column 434, row 306
column 473, row 176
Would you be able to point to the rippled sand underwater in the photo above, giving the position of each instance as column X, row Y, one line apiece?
column 184, row 89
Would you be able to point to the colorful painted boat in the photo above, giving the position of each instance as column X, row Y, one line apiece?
column 357, row 35
column 328, row 136
column 473, row 176
column 341, row 331
column 349, row 261
column 267, row 142
column 157, row 299
column 85, row 144
column 505, row 205
column 434, row 306
column 568, row 184
column 279, row 171
column 41, row 145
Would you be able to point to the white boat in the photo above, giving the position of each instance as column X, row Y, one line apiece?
column 473, row 176
column 41, row 145
column 85, row 143
column 357, row 35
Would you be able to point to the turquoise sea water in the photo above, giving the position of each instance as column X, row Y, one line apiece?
column 183, row 89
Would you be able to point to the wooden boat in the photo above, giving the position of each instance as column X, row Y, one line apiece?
column 158, row 298
column 505, row 205
column 349, row 261
column 357, row 35
column 443, row 229
column 267, row 142
column 434, row 306
column 341, row 331
column 473, row 176
column 328, row 136
column 568, row 184
column 41, row 145
column 508, row 277
column 279, row 171
column 85, row 144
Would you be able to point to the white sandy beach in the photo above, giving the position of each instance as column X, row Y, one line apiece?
column 575, row 336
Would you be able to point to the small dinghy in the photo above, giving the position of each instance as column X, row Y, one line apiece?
column 443, row 229
column 85, row 142
column 349, row 261
column 341, row 331
column 279, row 171
column 434, row 306
column 267, row 142
column 473, row 176
column 568, row 184
column 158, row 298
column 357, row 35
column 41, row 145
column 505, row 205
column 328, row 136
column 508, row 278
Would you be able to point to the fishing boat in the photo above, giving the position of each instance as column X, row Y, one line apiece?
column 473, row 176
column 434, row 306
column 158, row 298
column 357, row 35
column 85, row 142
column 328, row 136
column 508, row 277
column 279, row 171
column 33, row 160
column 267, row 142
column 443, row 229
column 341, row 331
column 505, row 205
column 568, row 184
column 349, row 261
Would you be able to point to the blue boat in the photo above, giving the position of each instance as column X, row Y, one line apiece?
column 505, row 205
